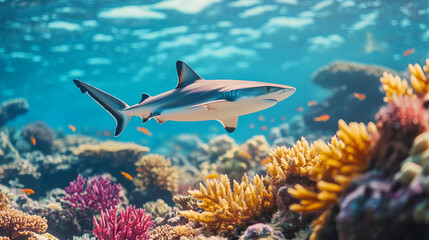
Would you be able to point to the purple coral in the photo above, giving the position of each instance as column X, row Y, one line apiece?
column 131, row 224
column 398, row 124
column 99, row 193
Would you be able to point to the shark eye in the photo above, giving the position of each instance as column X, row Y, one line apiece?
column 268, row 89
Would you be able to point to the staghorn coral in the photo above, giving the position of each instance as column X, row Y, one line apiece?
column 11, row 109
column 156, row 173
column 114, row 154
column 43, row 135
column 345, row 158
column 398, row 124
column 419, row 80
column 130, row 224
column 167, row 232
column 226, row 208
column 290, row 162
column 394, row 86
column 158, row 208
column 99, row 194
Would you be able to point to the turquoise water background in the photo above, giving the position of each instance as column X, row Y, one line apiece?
column 127, row 48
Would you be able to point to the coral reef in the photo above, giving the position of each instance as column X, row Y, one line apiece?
column 11, row 109
column 99, row 193
column 226, row 209
column 158, row 208
column 86, row 236
column 345, row 79
column 185, row 203
column 130, row 224
column 167, row 232
column 156, row 173
column 111, row 154
column 42, row 135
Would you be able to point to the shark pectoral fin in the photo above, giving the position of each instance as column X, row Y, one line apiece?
column 230, row 124
column 159, row 120
column 211, row 105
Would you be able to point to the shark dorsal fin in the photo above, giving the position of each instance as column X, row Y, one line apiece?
column 144, row 97
column 186, row 74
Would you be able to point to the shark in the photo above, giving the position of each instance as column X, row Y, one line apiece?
column 194, row 99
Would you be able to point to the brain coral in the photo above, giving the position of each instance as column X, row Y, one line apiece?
column 156, row 173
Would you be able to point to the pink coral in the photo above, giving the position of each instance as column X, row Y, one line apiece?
column 398, row 124
column 99, row 193
column 131, row 224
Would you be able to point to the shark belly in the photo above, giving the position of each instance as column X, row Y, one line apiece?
column 216, row 111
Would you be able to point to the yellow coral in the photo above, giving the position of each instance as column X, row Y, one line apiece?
column 4, row 199
column 15, row 223
column 284, row 162
column 393, row 85
column 185, row 202
column 341, row 160
column 225, row 208
column 156, row 173
column 419, row 80
column 167, row 232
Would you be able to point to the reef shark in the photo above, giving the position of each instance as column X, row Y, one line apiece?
column 194, row 99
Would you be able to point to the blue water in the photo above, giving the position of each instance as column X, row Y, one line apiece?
column 127, row 48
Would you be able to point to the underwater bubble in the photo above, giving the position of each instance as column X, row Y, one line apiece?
column 98, row 61
column 64, row 25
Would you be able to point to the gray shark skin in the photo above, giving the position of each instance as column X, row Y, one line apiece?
column 194, row 99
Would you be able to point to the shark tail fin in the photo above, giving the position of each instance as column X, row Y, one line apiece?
column 111, row 104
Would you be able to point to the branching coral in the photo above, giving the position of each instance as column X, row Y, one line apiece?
column 167, row 232
column 420, row 80
column 185, row 202
column 285, row 162
column 394, row 86
column 226, row 208
column 156, row 173
column 341, row 160
column 14, row 224
column 130, row 224
column 99, row 194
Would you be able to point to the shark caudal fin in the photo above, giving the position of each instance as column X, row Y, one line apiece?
column 111, row 104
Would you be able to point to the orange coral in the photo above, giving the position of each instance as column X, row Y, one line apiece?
column 341, row 160
column 14, row 223
column 167, row 232
column 419, row 80
column 225, row 208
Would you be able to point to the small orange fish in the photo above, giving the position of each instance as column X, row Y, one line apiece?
column 408, row 52
column 312, row 103
column 144, row 131
column 33, row 140
column 299, row 109
column 107, row 134
column 127, row 176
column 265, row 161
column 212, row 176
column 261, row 118
column 73, row 128
column 322, row 118
column 245, row 154
column 251, row 125
column 28, row 191
column 139, row 169
column 360, row 96
column 265, row 128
